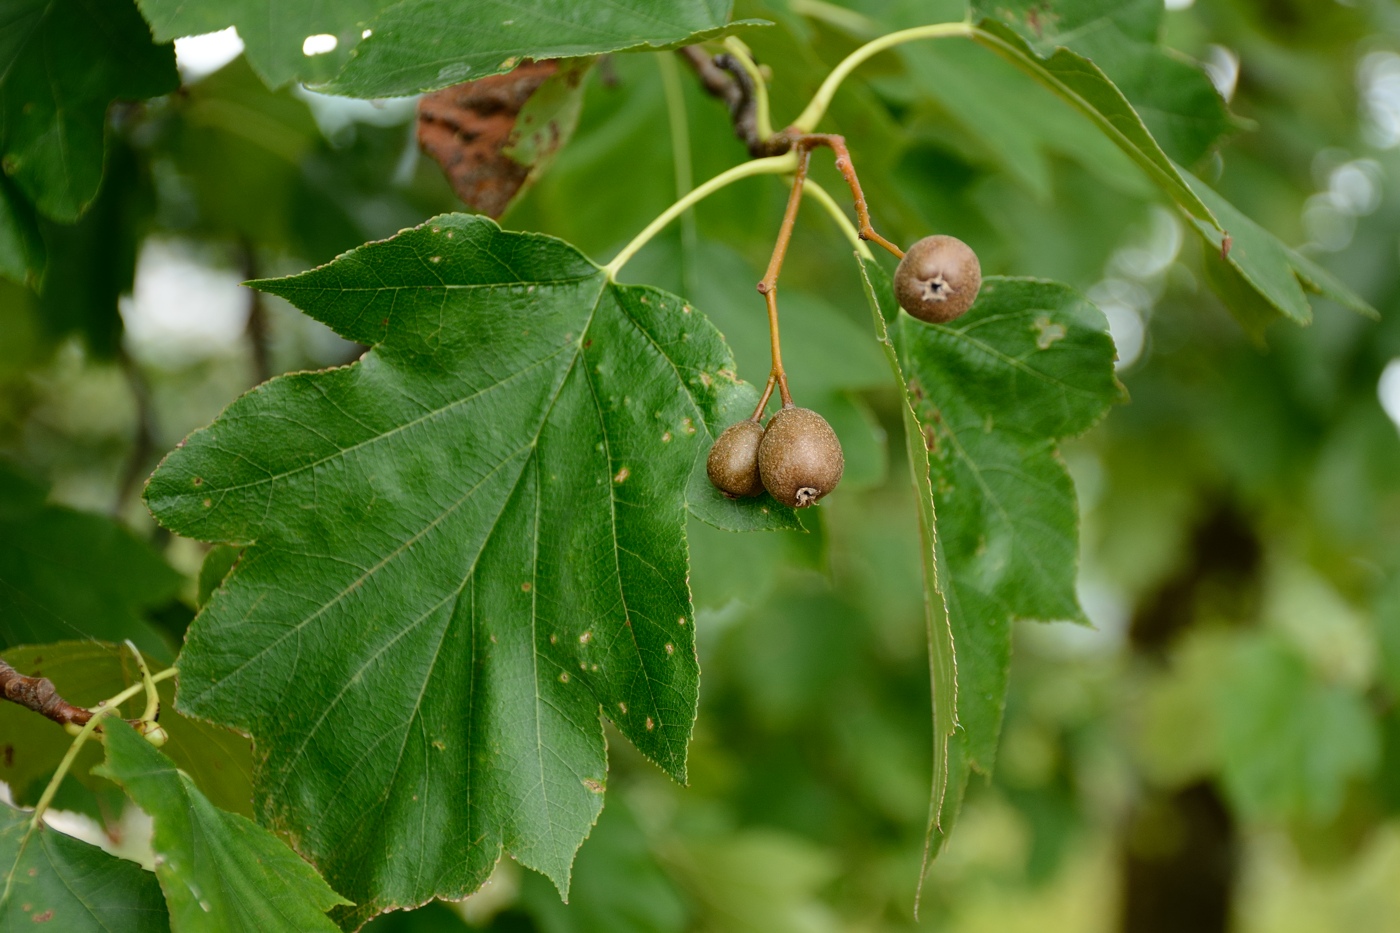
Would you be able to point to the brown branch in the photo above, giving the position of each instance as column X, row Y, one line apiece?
column 847, row 168
column 143, row 442
column 724, row 77
column 768, row 287
column 38, row 694
column 256, row 329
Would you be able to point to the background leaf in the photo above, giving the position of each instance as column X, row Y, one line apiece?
column 1083, row 84
column 494, row 135
column 62, row 64
column 73, row 884
column 1175, row 98
column 21, row 248
column 65, row 573
column 1289, row 742
column 220, row 872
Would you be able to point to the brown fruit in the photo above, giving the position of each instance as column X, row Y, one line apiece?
column 938, row 278
column 799, row 458
column 733, row 460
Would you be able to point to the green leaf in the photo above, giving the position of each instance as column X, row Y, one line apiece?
column 1273, row 273
column 423, row 45
column 1176, row 100
column 62, row 63
column 1264, row 278
column 73, row 885
column 272, row 30
column 67, row 574
column 1290, row 743
column 1083, row 85
column 459, row 548
column 221, row 872
column 85, row 673
column 21, row 248
column 995, row 391
column 92, row 263
column 943, row 662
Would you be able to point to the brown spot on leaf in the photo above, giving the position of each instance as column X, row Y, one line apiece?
column 9, row 753
column 44, row 917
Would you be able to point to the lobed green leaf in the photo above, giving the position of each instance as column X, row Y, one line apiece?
column 459, row 549
column 992, row 394
column 996, row 390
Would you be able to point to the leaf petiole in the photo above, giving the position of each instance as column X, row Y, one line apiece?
column 772, row 165
column 810, row 117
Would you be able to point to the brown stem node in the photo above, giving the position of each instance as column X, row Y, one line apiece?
column 38, row 694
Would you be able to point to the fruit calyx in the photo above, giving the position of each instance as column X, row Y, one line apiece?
column 938, row 279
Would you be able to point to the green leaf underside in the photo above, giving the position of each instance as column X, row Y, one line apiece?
column 1080, row 82
column 994, row 392
column 423, row 45
column 62, row 883
column 1175, row 98
column 1279, row 276
column 272, row 30
column 943, row 664
column 62, row 62
column 85, row 673
column 1266, row 278
column 221, row 873
column 44, row 549
column 461, row 547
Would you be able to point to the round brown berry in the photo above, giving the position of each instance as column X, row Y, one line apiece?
column 733, row 460
column 799, row 458
column 938, row 278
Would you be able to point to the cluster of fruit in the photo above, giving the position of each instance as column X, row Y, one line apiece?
column 797, row 458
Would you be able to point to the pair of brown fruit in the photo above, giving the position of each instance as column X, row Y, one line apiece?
column 797, row 457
